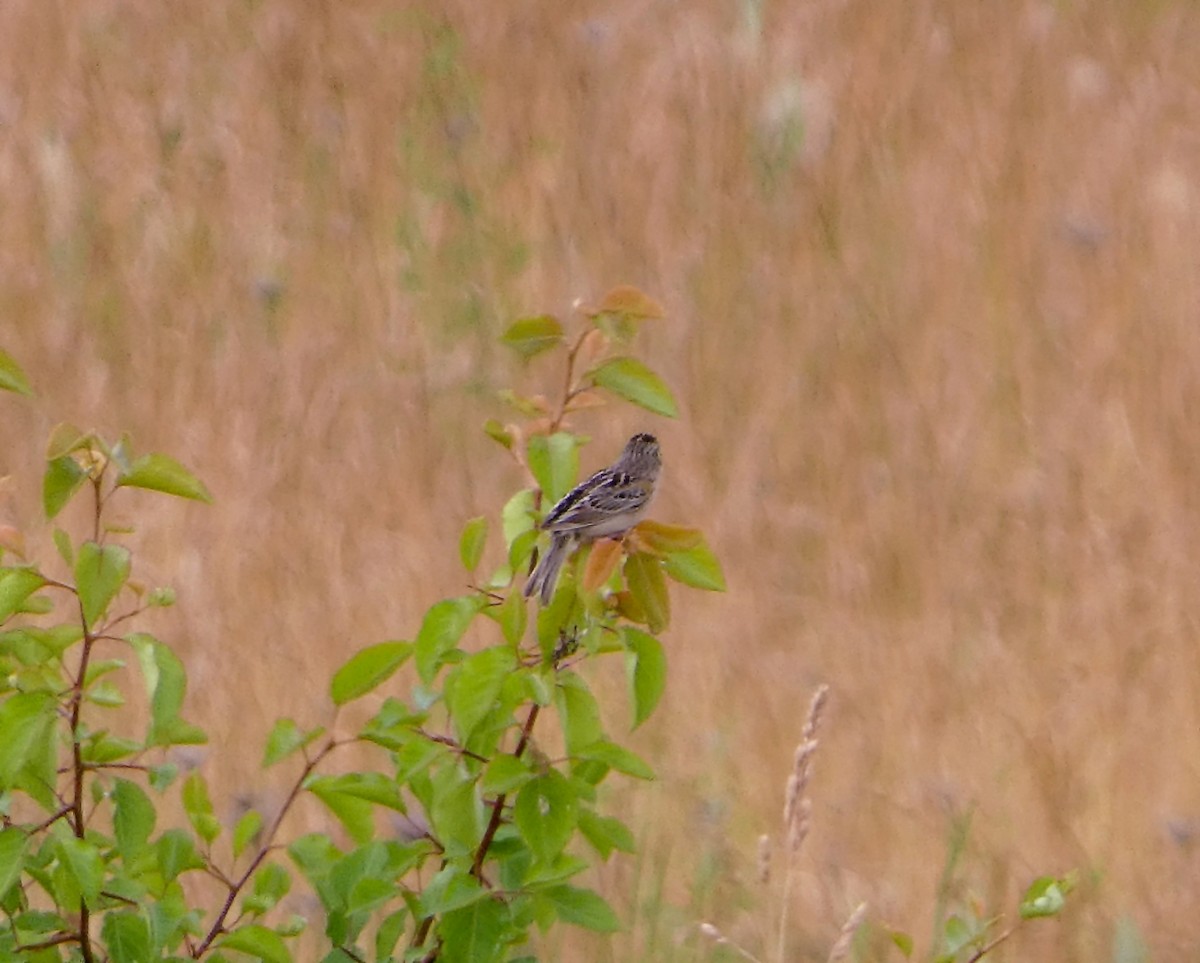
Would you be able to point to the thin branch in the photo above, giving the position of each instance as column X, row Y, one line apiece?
column 55, row 583
column 132, row 613
column 485, row 843
column 47, row 943
column 218, row 926
column 570, row 389
column 450, row 743
column 219, row 876
column 498, row 806
column 99, row 506
column 988, row 947
column 47, row 823
column 96, row 766
column 79, row 821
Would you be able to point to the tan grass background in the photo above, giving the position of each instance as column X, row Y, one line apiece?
column 933, row 277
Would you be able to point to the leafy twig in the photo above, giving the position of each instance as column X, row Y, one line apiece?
column 218, row 926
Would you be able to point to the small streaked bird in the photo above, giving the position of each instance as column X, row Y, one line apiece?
column 609, row 503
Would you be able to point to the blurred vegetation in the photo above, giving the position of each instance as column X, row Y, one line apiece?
column 933, row 273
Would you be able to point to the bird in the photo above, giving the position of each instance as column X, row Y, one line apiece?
column 609, row 503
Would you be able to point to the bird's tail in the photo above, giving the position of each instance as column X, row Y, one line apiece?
column 545, row 576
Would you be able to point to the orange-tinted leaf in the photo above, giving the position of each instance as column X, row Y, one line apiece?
column 659, row 538
column 534, row 405
column 13, row 540
column 630, row 301
column 644, row 575
column 629, row 608
column 601, row 563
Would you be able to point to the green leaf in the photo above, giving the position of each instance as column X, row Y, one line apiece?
column 16, row 585
column 546, row 813
column 286, row 737
column 606, row 833
column 180, row 733
column 957, row 934
column 66, row 438
column 62, row 541
column 370, row 893
column 473, row 687
column 578, row 712
column 1046, row 896
column 176, row 854
column 367, row 669
column 160, row 777
column 531, row 336
column 315, row 855
column 455, row 811
column 166, row 685
column 13, row 845
column 646, row 670
column 354, row 813
column 109, row 696
column 517, row 516
column 62, row 480
column 475, row 933
column 628, row 378
column 441, row 630
column 101, row 667
column 697, row 567
column 504, row 774
column 498, row 433
column 644, row 574
column 162, row 473
column 511, row 616
column 133, row 819
column 470, row 546
column 519, row 554
column 100, row 571
column 25, row 719
column 582, row 907
column 12, row 378
column 199, row 808
column 83, row 862
column 554, row 462
column 257, row 941
column 104, row 747
column 452, row 888
column 271, row 884
column 618, row 758
column 372, row 786
column 127, row 936
column 903, row 942
column 389, row 933
column 246, row 829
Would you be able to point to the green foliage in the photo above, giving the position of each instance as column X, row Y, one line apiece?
column 12, row 378
column 961, row 933
column 628, row 378
column 496, row 838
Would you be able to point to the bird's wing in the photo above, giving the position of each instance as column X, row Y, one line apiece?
column 597, row 500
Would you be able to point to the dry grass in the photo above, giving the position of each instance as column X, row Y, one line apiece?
column 938, row 363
